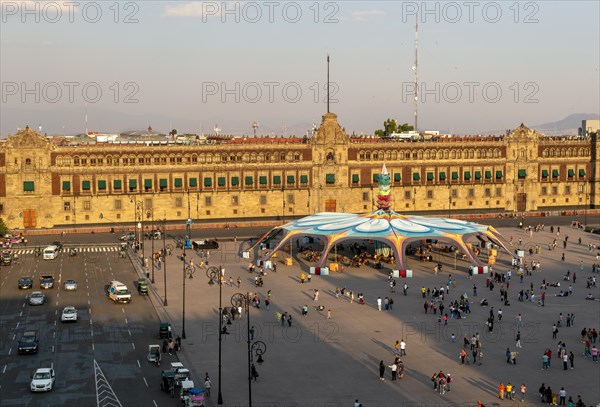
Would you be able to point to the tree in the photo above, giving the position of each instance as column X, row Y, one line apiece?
column 391, row 126
column 3, row 227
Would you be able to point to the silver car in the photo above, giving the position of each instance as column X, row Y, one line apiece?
column 69, row 313
column 37, row 298
column 70, row 285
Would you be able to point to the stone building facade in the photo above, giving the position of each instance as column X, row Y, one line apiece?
column 44, row 184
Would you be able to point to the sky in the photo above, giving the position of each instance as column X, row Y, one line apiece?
column 482, row 66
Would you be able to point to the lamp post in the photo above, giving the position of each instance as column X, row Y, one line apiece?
column 150, row 214
column 449, row 198
column 283, row 205
column 212, row 274
column 164, row 236
column 138, row 208
column 188, row 272
column 257, row 348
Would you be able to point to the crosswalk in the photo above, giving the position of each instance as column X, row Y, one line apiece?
column 84, row 249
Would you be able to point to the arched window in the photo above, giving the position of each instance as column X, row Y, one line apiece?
column 394, row 155
column 367, row 155
column 433, row 154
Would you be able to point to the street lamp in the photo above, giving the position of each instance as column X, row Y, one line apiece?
column 138, row 207
column 212, row 274
column 150, row 214
column 188, row 272
column 259, row 348
column 164, row 236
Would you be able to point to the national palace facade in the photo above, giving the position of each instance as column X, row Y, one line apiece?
column 46, row 184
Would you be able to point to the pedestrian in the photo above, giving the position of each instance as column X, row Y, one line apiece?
column 394, row 368
column 381, row 370
column 379, row 303
column 302, row 278
column 565, row 359
column 207, row 385
column 518, row 339
column 474, row 290
column 178, row 343
column 267, row 303
column 239, row 282
column 562, row 394
column 405, row 289
column 328, row 314
column 403, row 348
column 523, row 391
column 316, row 295
column 251, row 333
column 289, row 320
column 543, row 297
column 509, row 391
column 230, row 281
column 572, row 359
column 554, row 331
column 462, row 355
column 501, row 390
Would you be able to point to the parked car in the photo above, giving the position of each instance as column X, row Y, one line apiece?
column 69, row 314
column 70, row 285
column 128, row 237
column 37, row 298
column 142, row 286
column 46, row 281
column 28, row 343
column 42, row 379
column 25, row 283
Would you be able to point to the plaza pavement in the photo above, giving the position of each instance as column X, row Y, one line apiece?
column 321, row 362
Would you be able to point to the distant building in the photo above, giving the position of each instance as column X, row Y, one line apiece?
column 588, row 127
column 45, row 184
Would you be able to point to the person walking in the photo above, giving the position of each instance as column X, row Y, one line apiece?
column 239, row 282
column 554, row 331
column 562, row 394
column 316, row 295
column 501, row 390
column 523, row 391
column 381, row 370
column 518, row 345
column 403, row 348
column 207, row 385
column 328, row 314
column 394, row 368
column 565, row 359
column 379, row 303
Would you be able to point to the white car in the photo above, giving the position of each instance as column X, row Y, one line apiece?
column 42, row 379
column 37, row 298
column 69, row 314
column 70, row 285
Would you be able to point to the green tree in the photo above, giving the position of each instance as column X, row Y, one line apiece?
column 3, row 227
column 391, row 126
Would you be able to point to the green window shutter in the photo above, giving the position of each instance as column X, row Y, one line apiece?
column 467, row 174
column 235, row 181
column 454, row 175
column 101, row 184
column 571, row 172
column 132, row 184
column 375, row 177
column 249, row 181
column 290, row 179
column 488, row 175
column 28, row 186
column 262, row 180
column 147, row 183
column 416, row 176
column 355, row 178
column 330, row 178
column 276, row 179
column 555, row 174
column 304, row 179
column 430, row 176
column 397, row 177
column 208, row 182
column 442, row 176
column 86, row 185
column 477, row 174
column 178, row 182
column 221, row 181
column 498, row 174
column 66, row 185
column 194, row 182
column 582, row 173
column 522, row 173
column 162, row 182
column 544, row 173
column 117, row 184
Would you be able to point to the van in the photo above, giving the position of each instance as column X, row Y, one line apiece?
column 50, row 252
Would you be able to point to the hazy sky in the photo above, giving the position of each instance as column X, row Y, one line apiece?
column 482, row 65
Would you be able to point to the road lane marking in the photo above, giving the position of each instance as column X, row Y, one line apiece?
column 93, row 348
column 88, row 302
column 156, row 405
column 140, row 366
column 54, row 322
column 18, row 323
column 21, row 314
column 5, row 366
column 129, row 330
column 123, row 309
column 52, row 365
column 9, row 351
column 133, row 345
column 52, row 348
column 55, row 312
column 146, row 382
column 126, row 321
column 54, row 334
column 15, row 336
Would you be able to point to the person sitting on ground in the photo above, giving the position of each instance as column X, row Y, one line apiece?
column 589, row 297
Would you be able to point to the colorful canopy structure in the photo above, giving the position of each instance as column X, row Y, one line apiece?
column 389, row 227
column 383, row 225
